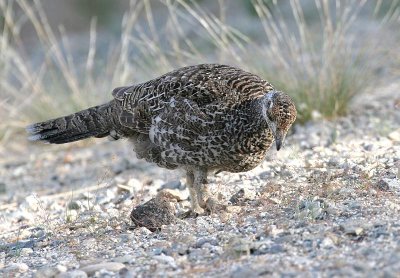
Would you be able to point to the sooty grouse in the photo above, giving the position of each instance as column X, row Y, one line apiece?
column 199, row 118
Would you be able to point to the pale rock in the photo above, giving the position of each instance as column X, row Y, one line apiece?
column 108, row 266
column 26, row 251
column 72, row 274
column 16, row 268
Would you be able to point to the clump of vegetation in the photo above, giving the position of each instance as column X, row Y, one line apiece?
column 322, row 65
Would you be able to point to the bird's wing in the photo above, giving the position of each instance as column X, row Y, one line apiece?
column 202, row 84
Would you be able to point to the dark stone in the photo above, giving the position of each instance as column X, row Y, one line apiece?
column 154, row 213
column 382, row 185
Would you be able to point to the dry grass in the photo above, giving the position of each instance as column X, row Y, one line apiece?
column 322, row 65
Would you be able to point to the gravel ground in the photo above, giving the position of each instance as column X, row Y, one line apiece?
column 326, row 205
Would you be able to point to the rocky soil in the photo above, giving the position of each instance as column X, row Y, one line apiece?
column 328, row 204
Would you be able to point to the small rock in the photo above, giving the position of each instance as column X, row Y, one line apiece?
column 126, row 237
column 386, row 184
column 273, row 249
column 315, row 209
column 158, row 251
column 128, row 272
column 73, row 274
column 201, row 241
column 74, row 205
column 123, row 165
column 33, row 203
column 352, row 229
column 237, row 246
column 242, row 196
column 22, row 244
column 243, row 271
column 135, row 185
column 38, row 233
column 382, row 185
column 176, row 184
column 3, row 188
column 334, row 161
column 26, row 251
column 273, row 231
column 89, row 243
column 16, row 268
column 19, row 171
column 166, row 259
column 125, row 259
column 368, row 147
column 395, row 135
column 177, row 248
column 109, row 266
column 327, row 243
column 155, row 213
column 47, row 271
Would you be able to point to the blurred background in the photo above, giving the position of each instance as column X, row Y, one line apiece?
column 57, row 57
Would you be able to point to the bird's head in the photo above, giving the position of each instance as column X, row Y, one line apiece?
column 280, row 113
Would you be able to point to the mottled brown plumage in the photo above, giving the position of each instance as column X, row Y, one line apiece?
column 200, row 118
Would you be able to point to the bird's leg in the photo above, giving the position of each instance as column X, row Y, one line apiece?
column 205, row 200
column 190, row 182
column 200, row 186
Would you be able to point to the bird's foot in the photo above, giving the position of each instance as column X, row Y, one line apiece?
column 193, row 213
column 211, row 206
column 198, row 210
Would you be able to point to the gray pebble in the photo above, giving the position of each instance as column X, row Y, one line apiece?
column 242, row 196
column 243, row 271
column 29, row 243
column 73, row 274
column 109, row 266
column 125, row 259
column 47, row 272
column 3, row 188
column 26, row 251
column 176, row 184
column 16, row 268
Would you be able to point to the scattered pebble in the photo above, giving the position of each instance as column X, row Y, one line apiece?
column 73, row 274
column 243, row 195
column 109, row 266
column 14, row 268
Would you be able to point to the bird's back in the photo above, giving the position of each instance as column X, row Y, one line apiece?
column 203, row 84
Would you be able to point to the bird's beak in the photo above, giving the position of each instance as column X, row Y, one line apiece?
column 279, row 139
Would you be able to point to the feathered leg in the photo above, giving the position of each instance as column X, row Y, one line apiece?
column 201, row 186
column 190, row 181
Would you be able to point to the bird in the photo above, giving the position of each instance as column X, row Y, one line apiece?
column 203, row 119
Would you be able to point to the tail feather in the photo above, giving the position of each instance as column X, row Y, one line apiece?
column 93, row 122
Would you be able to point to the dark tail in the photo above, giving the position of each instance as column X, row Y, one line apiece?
column 92, row 122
